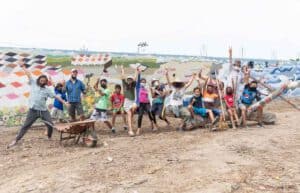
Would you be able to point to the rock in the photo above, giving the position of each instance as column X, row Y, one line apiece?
column 105, row 144
column 140, row 182
column 153, row 170
column 230, row 162
column 235, row 187
column 261, row 187
column 109, row 159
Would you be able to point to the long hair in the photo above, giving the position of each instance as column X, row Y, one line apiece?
column 40, row 77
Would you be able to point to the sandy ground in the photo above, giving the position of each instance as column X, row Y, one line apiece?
column 244, row 160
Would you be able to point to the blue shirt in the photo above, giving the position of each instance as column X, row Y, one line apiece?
column 57, row 104
column 74, row 90
column 249, row 95
column 39, row 96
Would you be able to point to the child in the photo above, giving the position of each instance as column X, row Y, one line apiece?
column 230, row 104
column 158, row 96
column 250, row 94
column 58, row 108
column 196, row 107
column 210, row 99
column 117, row 100
column 101, row 107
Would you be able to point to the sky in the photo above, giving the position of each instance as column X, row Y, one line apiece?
column 263, row 28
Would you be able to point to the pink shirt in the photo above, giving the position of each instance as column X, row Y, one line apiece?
column 144, row 96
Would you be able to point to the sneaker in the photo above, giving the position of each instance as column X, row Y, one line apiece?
column 214, row 128
column 259, row 124
column 13, row 143
column 113, row 130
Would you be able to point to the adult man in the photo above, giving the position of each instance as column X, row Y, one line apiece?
column 74, row 88
column 37, row 105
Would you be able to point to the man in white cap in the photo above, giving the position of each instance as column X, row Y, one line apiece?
column 74, row 89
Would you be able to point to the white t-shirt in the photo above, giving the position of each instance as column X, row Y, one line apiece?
column 176, row 97
column 238, row 81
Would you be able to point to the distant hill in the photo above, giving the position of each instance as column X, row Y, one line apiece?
column 160, row 57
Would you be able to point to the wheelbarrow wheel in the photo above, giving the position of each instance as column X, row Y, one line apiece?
column 90, row 139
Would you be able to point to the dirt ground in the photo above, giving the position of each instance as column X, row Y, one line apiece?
column 244, row 160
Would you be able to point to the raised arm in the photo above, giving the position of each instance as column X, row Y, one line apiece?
column 27, row 73
column 137, row 74
column 96, row 84
column 233, row 86
column 200, row 75
column 230, row 57
column 204, row 86
column 122, row 73
column 187, row 85
column 246, row 75
column 198, row 79
column 168, row 77
column 96, row 87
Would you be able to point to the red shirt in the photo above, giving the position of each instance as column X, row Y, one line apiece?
column 117, row 100
column 229, row 99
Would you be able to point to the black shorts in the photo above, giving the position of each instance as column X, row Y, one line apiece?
column 75, row 107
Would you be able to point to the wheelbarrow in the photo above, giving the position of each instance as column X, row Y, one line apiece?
column 84, row 130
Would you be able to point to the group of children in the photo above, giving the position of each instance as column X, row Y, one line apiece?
column 211, row 99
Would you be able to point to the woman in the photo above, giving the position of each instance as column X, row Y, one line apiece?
column 143, row 103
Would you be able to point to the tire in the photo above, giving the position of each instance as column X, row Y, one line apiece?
column 90, row 139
